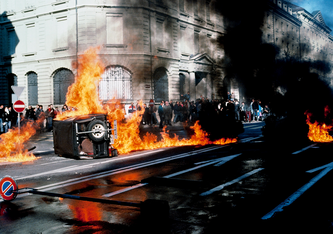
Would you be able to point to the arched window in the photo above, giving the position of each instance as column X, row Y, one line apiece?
column 32, row 88
column 161, row 85
column 62, row 79
column 116, row 83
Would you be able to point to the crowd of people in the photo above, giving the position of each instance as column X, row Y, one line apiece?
column 189, row 111
column 9, row 118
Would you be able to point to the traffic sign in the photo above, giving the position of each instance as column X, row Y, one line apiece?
column 8, row 188
column 17, row 90
column 19, row 106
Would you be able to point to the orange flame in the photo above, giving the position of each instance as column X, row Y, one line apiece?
column 318, row 132
column 12, row 148
column 83, row 96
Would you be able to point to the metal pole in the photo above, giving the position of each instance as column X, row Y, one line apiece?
column 18, row 124
column 35, row 191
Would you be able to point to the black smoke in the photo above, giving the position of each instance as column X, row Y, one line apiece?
column 289, row 83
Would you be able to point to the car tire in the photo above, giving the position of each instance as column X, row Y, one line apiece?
column 97, row 125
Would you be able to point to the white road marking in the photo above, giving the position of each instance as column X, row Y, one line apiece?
column 207, row 163
column 249, row 139
column 328, row 167
column 121, row 170
column 124, row 190
column 219, row 162
column 305, row 148
column 220, row 187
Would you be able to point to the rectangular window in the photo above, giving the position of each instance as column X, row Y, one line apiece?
column 160, row 34
column 62, row 32
column 195, row 7
column 196, row 42
column 114, row 28
column 208, row 10
column 31, row 37
column 181, row 6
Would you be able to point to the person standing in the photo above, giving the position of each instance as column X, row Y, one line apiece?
column 237, row 110
column 255, row 107
column 248, row 110
column 50, row 116
column 30, row 113
column 167, row 113
column 161, row 114
column 5, row 119
column 176, row 112
column 152, row 111
column 242, row 112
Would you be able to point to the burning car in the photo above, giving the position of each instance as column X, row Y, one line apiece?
column 85, row 135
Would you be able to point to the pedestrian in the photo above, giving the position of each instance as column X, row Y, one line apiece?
column 40, row 116
column 237, row 109
column 146, row 116
column 186, row 96
column 248, row 111
column 193, row 111
column 64, row 108
column 152, row 112
column 5, row 119
column 131, row 109
column 30, row 113
column 161, row 114
column 50, row 116
column 255, row 107
column 167, row 113
column 11, row 117
column 242, row 112
column 176, row 110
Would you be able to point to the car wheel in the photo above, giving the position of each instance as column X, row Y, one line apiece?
column 99, row 127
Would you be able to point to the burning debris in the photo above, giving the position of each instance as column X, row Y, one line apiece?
column 12, row 144
column 318, row 132
column 83, row 97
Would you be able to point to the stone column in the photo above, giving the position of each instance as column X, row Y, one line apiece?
column 192, row 86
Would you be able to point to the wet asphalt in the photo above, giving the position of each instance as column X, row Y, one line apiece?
column 192, row 189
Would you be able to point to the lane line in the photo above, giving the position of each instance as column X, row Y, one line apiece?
column 124, row 190
column 121, row 170
column 220, row 187
column 210, row 162
column 297, row 194
column 220, row 161
column 305, row 148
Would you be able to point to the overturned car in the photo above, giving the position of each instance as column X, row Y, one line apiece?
column 85, row 135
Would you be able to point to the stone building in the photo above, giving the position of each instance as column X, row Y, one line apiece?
column 150, row 49
column 157, row 49
column 299, row 33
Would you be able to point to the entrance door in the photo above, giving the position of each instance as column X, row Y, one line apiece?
column 161, row 86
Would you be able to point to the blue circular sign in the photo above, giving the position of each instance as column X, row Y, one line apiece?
column 8, row 188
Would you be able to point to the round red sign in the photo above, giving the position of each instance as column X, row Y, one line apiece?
column 19, row 106
column 8, row 188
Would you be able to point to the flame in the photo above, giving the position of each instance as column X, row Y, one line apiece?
column 318, row 132
column 83, row 96
column 12, row 148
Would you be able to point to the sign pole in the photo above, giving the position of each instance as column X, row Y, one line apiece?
column 19, row 123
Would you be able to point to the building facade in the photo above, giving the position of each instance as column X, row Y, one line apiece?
column 150, row 49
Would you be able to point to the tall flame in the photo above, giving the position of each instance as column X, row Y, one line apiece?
column 318, row 132
column 83, row 96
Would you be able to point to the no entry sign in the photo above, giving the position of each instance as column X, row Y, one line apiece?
column 8, row 188
column 19, row 106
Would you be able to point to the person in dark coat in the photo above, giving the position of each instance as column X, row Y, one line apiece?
column 167, row 113
column 30, row 113
column 161, row 114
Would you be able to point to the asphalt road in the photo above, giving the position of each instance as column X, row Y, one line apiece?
column 252, row 185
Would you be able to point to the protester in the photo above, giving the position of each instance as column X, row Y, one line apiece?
column 237, row 110
column 50, row 115
column 242, row 111
column 248, row 111
column 30, row 113
column 167, row 113
column 152, row 112
column 146, row 116
column 40, row 115
column 177, row 112
column 64, row 108
column 161, row 114
column 6, row 119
